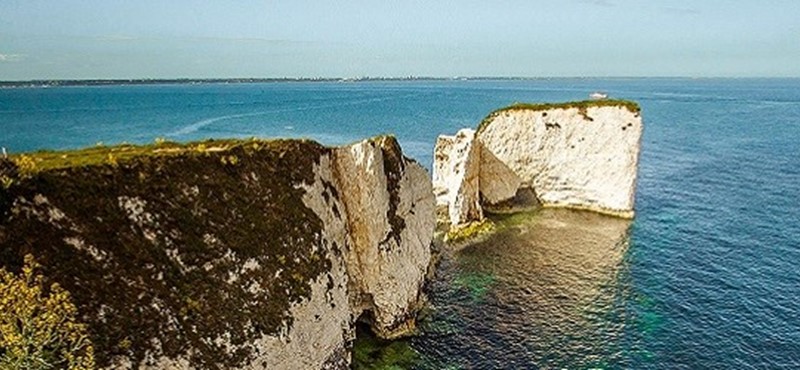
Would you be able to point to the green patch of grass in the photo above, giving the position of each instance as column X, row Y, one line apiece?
column 580, row 105
column 44, row 160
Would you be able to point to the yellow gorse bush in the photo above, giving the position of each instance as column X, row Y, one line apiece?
column 38, row 327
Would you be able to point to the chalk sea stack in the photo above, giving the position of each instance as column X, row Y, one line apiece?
column 581, row 155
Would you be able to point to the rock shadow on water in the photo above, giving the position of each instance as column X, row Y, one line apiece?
column 373, row 353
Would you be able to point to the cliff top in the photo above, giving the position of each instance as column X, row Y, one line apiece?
column 199, row 251
column 44, row 160
column 136, row 227
column 580, row 105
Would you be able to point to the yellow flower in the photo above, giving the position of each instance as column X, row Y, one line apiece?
column 38, row 326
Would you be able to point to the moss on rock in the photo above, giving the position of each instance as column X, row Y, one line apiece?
column 173, row 250
column 469, row 231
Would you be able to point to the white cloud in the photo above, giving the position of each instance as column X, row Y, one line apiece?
column 11, row 57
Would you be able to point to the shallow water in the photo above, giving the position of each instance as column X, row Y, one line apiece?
column 706, row 278
column 549, row 289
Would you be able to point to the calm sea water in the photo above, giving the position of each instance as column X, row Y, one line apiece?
column 706, row 276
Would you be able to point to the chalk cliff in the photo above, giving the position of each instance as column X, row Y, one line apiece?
column 578, row 155
column 456, row 173
column 226, row 254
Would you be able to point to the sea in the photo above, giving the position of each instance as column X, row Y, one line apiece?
column 707, row 275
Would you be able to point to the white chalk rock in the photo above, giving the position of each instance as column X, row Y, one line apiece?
column 390, row 213
column 578, row 155
column 579, row 158
column 497, row 181
column 377, row 209
column 456, row 175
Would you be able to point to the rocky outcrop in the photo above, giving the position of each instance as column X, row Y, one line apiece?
column 577, row 155
column 456, row 174
column 390, row 209
column 236, row 254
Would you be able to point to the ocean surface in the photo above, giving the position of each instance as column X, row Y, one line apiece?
column 706, row 277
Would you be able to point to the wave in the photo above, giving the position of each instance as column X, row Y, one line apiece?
column 195, row 126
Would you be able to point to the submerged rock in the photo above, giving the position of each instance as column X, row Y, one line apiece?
column 233, row 254
column 577, row 155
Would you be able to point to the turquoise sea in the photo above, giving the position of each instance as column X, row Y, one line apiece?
column 706, row 277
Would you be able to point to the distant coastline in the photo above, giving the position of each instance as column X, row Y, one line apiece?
column 200, row 81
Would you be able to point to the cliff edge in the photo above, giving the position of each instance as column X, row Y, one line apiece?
column 225, row 254
column 578, row 155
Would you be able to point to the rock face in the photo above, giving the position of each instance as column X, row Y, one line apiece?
column 390, row 215
column 257, row 255
column 577, row 155
column 456, row 174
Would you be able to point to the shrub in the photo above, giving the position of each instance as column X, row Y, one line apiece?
column 229, row 159
column 25, row 163
column 38, row 326
column 112, row 160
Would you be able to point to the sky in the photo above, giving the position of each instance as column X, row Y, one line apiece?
column 109, row 39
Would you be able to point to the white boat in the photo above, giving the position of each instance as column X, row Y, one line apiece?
column 597, row 95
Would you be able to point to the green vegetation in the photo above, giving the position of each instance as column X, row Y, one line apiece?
column 38, row 326
column 373, row 353
column 580, row 105
column 470, row 231
column 150, row 241
column 510, row 220
column 31, row 163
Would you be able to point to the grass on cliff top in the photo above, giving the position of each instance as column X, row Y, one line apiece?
column 580, row 105
column 44, row 160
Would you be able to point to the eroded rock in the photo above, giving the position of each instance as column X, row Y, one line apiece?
column 577, row 155
column 279, row 247
column 390, row 213
column 456, row 174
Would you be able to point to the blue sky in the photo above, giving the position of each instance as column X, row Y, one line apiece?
column 299, row 38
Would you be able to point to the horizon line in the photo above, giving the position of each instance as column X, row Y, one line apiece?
column 163, row 80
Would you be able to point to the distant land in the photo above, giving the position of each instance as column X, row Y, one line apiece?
column 191, row 81
column 198, row 81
